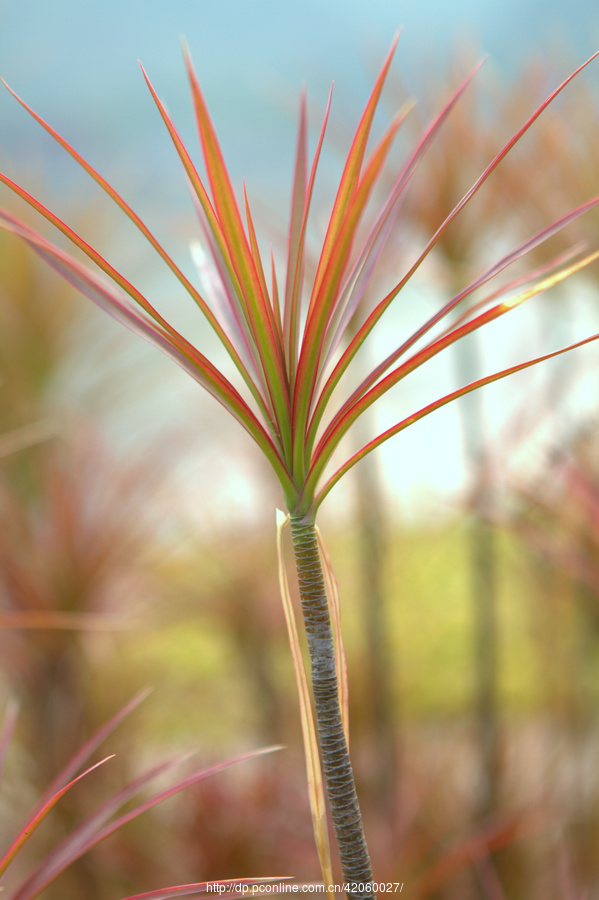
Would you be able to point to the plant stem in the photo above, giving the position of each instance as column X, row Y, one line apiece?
column 339, row 777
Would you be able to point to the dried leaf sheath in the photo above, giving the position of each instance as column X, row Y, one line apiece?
column 309, row 735
column 345, row 809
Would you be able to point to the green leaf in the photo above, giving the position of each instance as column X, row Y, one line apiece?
column 295, row 263
column 326, row 281
column 257, row 306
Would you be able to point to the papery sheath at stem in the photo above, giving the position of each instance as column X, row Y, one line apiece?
column 345, row 809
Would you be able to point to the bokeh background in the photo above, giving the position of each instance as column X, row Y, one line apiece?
column 137, row 532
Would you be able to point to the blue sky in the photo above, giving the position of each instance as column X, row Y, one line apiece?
column 75, row 62
column 76, row 59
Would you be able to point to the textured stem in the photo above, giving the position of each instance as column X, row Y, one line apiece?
column 339, row 777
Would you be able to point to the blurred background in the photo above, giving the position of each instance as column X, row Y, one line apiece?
column 137, row 522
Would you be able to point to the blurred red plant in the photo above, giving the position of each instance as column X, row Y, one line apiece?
column 105, row 820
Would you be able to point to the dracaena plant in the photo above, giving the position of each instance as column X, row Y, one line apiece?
column 292, row 342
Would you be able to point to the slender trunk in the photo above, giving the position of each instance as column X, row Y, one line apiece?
column 339, row 777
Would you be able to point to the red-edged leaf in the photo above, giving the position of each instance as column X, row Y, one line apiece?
column 351, row 292
column 210, row 217
column 92, row 744
column 165, row 336
column 219, row 291
column 361, row 273
column 221, row 253
column 347, row 207
column 381, row 307
column 314, row 342
column 260, row 270
column 520, row 251
column 190, row 169
column 90, row 252
column 74, row 845
column 295, row 263
column 351, row 175
column 295, row 268
column 223, row 195
column 207, row 887
column 93, row 830
column 276, row 305
column 171, row 343
column 137, row 221
column 343, row 421
column 34, row 823
column 105, row 296
column 502, row 264
column 509, row 288
column 427, row 410
column 359, row 277
column 258, row 309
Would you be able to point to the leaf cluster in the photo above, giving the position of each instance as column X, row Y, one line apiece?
column 291, row 342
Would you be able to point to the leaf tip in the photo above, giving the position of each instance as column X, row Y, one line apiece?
column 185, row 46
